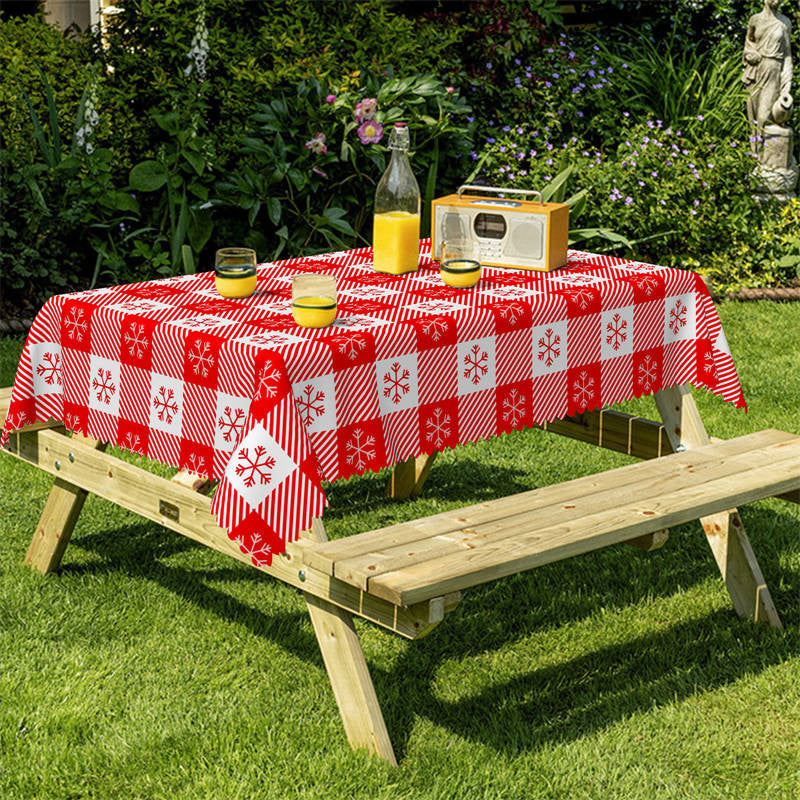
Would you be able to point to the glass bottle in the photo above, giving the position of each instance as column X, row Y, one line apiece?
column 395, row 232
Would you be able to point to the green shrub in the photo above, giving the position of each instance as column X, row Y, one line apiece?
column 316, row 201
column 676, row 198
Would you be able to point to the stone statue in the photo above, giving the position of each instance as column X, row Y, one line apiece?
column 768, row 75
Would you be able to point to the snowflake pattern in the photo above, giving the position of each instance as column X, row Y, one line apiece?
column 50, row 369
column 616, row 333
column 512, row 313
column 201, row 357
column 136, row 340
column 268, row 382
column 709, row 368
column 581, row 297
column 583, row 389
column 549, row 347
column 196, row 463
column 360, row 450
column 310, row 404
column 648, row 373
column 677, row 317
column 350, row 345
column 514, row 408
column 75, row 325
column 104, row 386
column 397, row 384
column 435, row 328
column 133, row 442
column 437, row 427
column 16, row 421
column 73, row 421
column 230, row 423
column 647, row 284
column 476, row 364
column 255, row 467
column 165, row 404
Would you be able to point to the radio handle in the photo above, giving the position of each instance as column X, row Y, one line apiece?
column 500, row 190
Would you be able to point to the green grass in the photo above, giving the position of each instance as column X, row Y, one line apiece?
column 152, row 668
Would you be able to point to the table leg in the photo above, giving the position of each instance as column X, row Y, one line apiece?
column 61, row 512
column 348, row 673
column 725, row 532
column 409, row 476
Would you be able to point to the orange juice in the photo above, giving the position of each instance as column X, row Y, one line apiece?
column 395, row 237
column 314, row 312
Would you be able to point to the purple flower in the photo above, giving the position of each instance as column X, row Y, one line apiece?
column 625, row 66
column 591, row 73
column 523, row 172
column 571, row 54
column 549, row 145
column 579, row 113
column 365, row 110
column 317, row 144
column 700, row 117
column 502, row 148
column 473, row 155
column 520, row 131
column 506, row 128
column 520, row 155
column 370, row 132
column 490, row 140
column 533, row 153
column 654, row 174
column 556, row 76
column 626, row 114
column 628, row 201
column 470, row 119
column 641, row 183
column 549, row 161
column 488, row 65
column 547, row 84
column 331, row 98
column 319, row 172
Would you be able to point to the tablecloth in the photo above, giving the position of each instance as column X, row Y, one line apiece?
column 234, row 390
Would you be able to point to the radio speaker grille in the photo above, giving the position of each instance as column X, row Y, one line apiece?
column 526, row 238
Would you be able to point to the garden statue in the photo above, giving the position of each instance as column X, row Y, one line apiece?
column 768, row 75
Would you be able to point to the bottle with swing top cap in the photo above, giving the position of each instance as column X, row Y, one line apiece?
column 397, row 210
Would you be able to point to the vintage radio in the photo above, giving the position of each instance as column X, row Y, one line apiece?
column 523, row 234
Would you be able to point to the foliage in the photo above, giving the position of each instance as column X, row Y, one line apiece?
column 29, row 49
column 318, row 201
column 674, row 196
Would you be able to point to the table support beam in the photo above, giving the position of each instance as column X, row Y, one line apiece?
column 348, row 672
column 725, row 532
column 61, row 512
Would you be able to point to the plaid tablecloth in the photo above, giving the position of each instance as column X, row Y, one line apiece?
column 234, row 390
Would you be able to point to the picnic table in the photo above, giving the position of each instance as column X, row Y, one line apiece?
column 263, row 413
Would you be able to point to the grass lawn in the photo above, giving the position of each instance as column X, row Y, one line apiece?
column 151, row 667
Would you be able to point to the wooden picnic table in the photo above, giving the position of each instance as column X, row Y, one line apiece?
column 407, row 577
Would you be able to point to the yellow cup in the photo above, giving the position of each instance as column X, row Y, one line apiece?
column 235, row 271
column 314, row 300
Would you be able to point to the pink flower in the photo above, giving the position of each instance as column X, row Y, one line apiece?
column 331, row 98
column 370, row 132
column 450, row 89
column 319, row 172
column 317, row 144
column 365, row 110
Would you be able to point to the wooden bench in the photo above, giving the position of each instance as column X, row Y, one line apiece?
column 415, row 561
column 407, row 577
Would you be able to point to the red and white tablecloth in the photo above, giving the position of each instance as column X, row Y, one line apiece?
column 234, row 390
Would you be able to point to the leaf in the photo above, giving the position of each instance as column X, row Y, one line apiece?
column 120, row 201
column 196, row 160
column 188, row 260
column 200, row 228
column 55, row 134
column 556, row 189
column 148, row 176
column 253, row 213
column 274, row 210
column 179, row 233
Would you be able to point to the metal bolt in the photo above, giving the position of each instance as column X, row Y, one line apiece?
column 301, row 575
column 58, row 465
column 71, row 457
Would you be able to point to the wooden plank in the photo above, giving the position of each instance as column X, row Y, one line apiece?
column 349, row 674
column 608, row 491
column 534, row 545
column 423, row 466
column 197, row 483
column 724, row 531
column 406, row 533
column 184, row 511
column 614, row 430
column 650, row 541
column 412, row 533
column 54, row 529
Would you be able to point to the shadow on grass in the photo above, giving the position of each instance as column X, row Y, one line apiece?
column 560, row 702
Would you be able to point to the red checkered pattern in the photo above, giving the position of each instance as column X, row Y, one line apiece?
column 233, row 389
